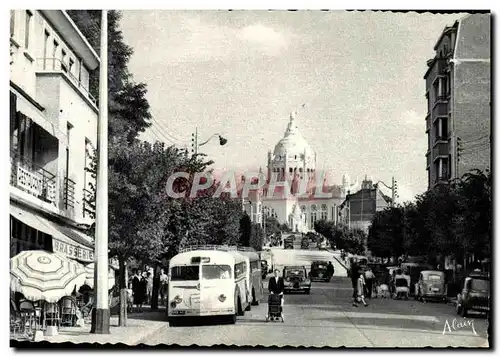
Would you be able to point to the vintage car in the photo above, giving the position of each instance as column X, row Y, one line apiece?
column 304, row 244
column 288, row 243
column 264, row 268
column 296, row 279
column 319, row 271
column 430, row 286
column 475, row 295
column 413, row 270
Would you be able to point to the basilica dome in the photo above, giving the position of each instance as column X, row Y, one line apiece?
column 293, row 143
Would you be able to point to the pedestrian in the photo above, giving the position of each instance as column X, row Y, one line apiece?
column 354, row 280
column 369, row 277
column 163, row 285
column 136, row 289
column 361, row 287
column 143, row 289
column 149, row 288
column 330, row 270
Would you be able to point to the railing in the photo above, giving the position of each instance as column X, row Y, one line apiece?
column 56, row 65
column 31, row 178
column 222, row 248
column 88, row 210
column 69, row 193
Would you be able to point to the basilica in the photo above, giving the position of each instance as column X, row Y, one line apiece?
column 294, row 160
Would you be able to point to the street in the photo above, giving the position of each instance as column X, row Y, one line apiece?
column 326, row 317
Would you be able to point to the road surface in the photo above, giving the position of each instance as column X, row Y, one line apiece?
column 326, row 317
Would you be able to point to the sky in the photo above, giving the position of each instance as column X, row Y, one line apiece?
column 241, row 73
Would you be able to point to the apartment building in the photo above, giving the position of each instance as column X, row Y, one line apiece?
column 358, row 208
column 53, row 133
column 458, row 121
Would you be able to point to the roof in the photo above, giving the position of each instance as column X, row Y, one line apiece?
column 293, row 143
column 185, row 258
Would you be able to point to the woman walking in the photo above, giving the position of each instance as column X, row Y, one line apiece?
column 361, row 287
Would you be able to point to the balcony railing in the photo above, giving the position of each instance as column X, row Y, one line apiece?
column 31, row 178
column 88, row 210
column 56, row 65
column 69, row 193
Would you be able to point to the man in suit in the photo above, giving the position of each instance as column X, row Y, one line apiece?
column 276, row 285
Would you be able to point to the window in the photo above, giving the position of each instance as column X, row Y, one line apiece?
column 324, row 212
column 254, row 265
column 444, row 127
column 63, row 61
column 54, row 54
column 215, row 272
column 189, row 272
column 71, row 65
column 29, row 16
column 239, row 270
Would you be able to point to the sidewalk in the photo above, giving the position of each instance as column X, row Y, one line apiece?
column 139, row 326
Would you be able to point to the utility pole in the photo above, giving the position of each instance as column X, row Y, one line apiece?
column 101, row 239
column 194, row 142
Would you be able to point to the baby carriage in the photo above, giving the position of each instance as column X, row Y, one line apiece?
column 275, row 309
column 402, row 289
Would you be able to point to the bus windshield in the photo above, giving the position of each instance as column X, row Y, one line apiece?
column 188, row 272
column 215, row 272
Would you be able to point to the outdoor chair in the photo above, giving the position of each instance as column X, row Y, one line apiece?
column 28, row 319
column 15, row 319
column 68, row 311
column 51, row 315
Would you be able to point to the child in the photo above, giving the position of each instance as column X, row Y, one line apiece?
column 361, row 288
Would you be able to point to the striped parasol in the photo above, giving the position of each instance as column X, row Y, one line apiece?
column 90, row 268
column 40, row 275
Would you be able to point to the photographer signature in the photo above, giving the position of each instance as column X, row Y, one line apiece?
column 458, row 325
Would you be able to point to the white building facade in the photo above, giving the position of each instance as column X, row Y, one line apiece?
column 294, row 160
column 53, row 133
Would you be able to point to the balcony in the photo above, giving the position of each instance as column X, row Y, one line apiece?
column 427, row 123
column 88, row 209
column 69, row 193
column 33, row 179
column 55, row 65
column 440, row 149
column 437, row 68
column 428, row 158
column 440, row 108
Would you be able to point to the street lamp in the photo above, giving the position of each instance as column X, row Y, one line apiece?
column 195, row 145
column 393, row 188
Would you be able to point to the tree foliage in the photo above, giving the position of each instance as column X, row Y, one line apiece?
column 341, row 237
column 448, row 220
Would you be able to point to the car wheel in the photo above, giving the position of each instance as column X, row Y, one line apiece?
column 232, row 319
column 173, row 322
column 308, row 291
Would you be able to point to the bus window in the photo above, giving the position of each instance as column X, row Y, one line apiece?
column 213, row 272
column 189, row 272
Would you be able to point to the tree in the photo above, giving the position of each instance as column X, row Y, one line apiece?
column 385, row 237
column 245, row 230
column 257, row 237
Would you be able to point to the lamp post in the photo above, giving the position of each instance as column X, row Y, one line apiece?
column 195, row 145
column 393, row 188
column 101, row 325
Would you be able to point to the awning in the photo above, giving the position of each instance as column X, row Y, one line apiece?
column 28, row 109
column 65, row 240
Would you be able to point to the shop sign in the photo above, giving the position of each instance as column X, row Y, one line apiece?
column 73, row 251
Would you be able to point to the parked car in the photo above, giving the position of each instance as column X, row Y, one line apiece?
column 430, row 286
column 288, row 244
column 319, row 271
column 475, row 295
column 296, row 279
column 304, row 244
column 413, row 270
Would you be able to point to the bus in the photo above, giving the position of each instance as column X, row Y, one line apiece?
column 207, row 281
column 254, row 274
